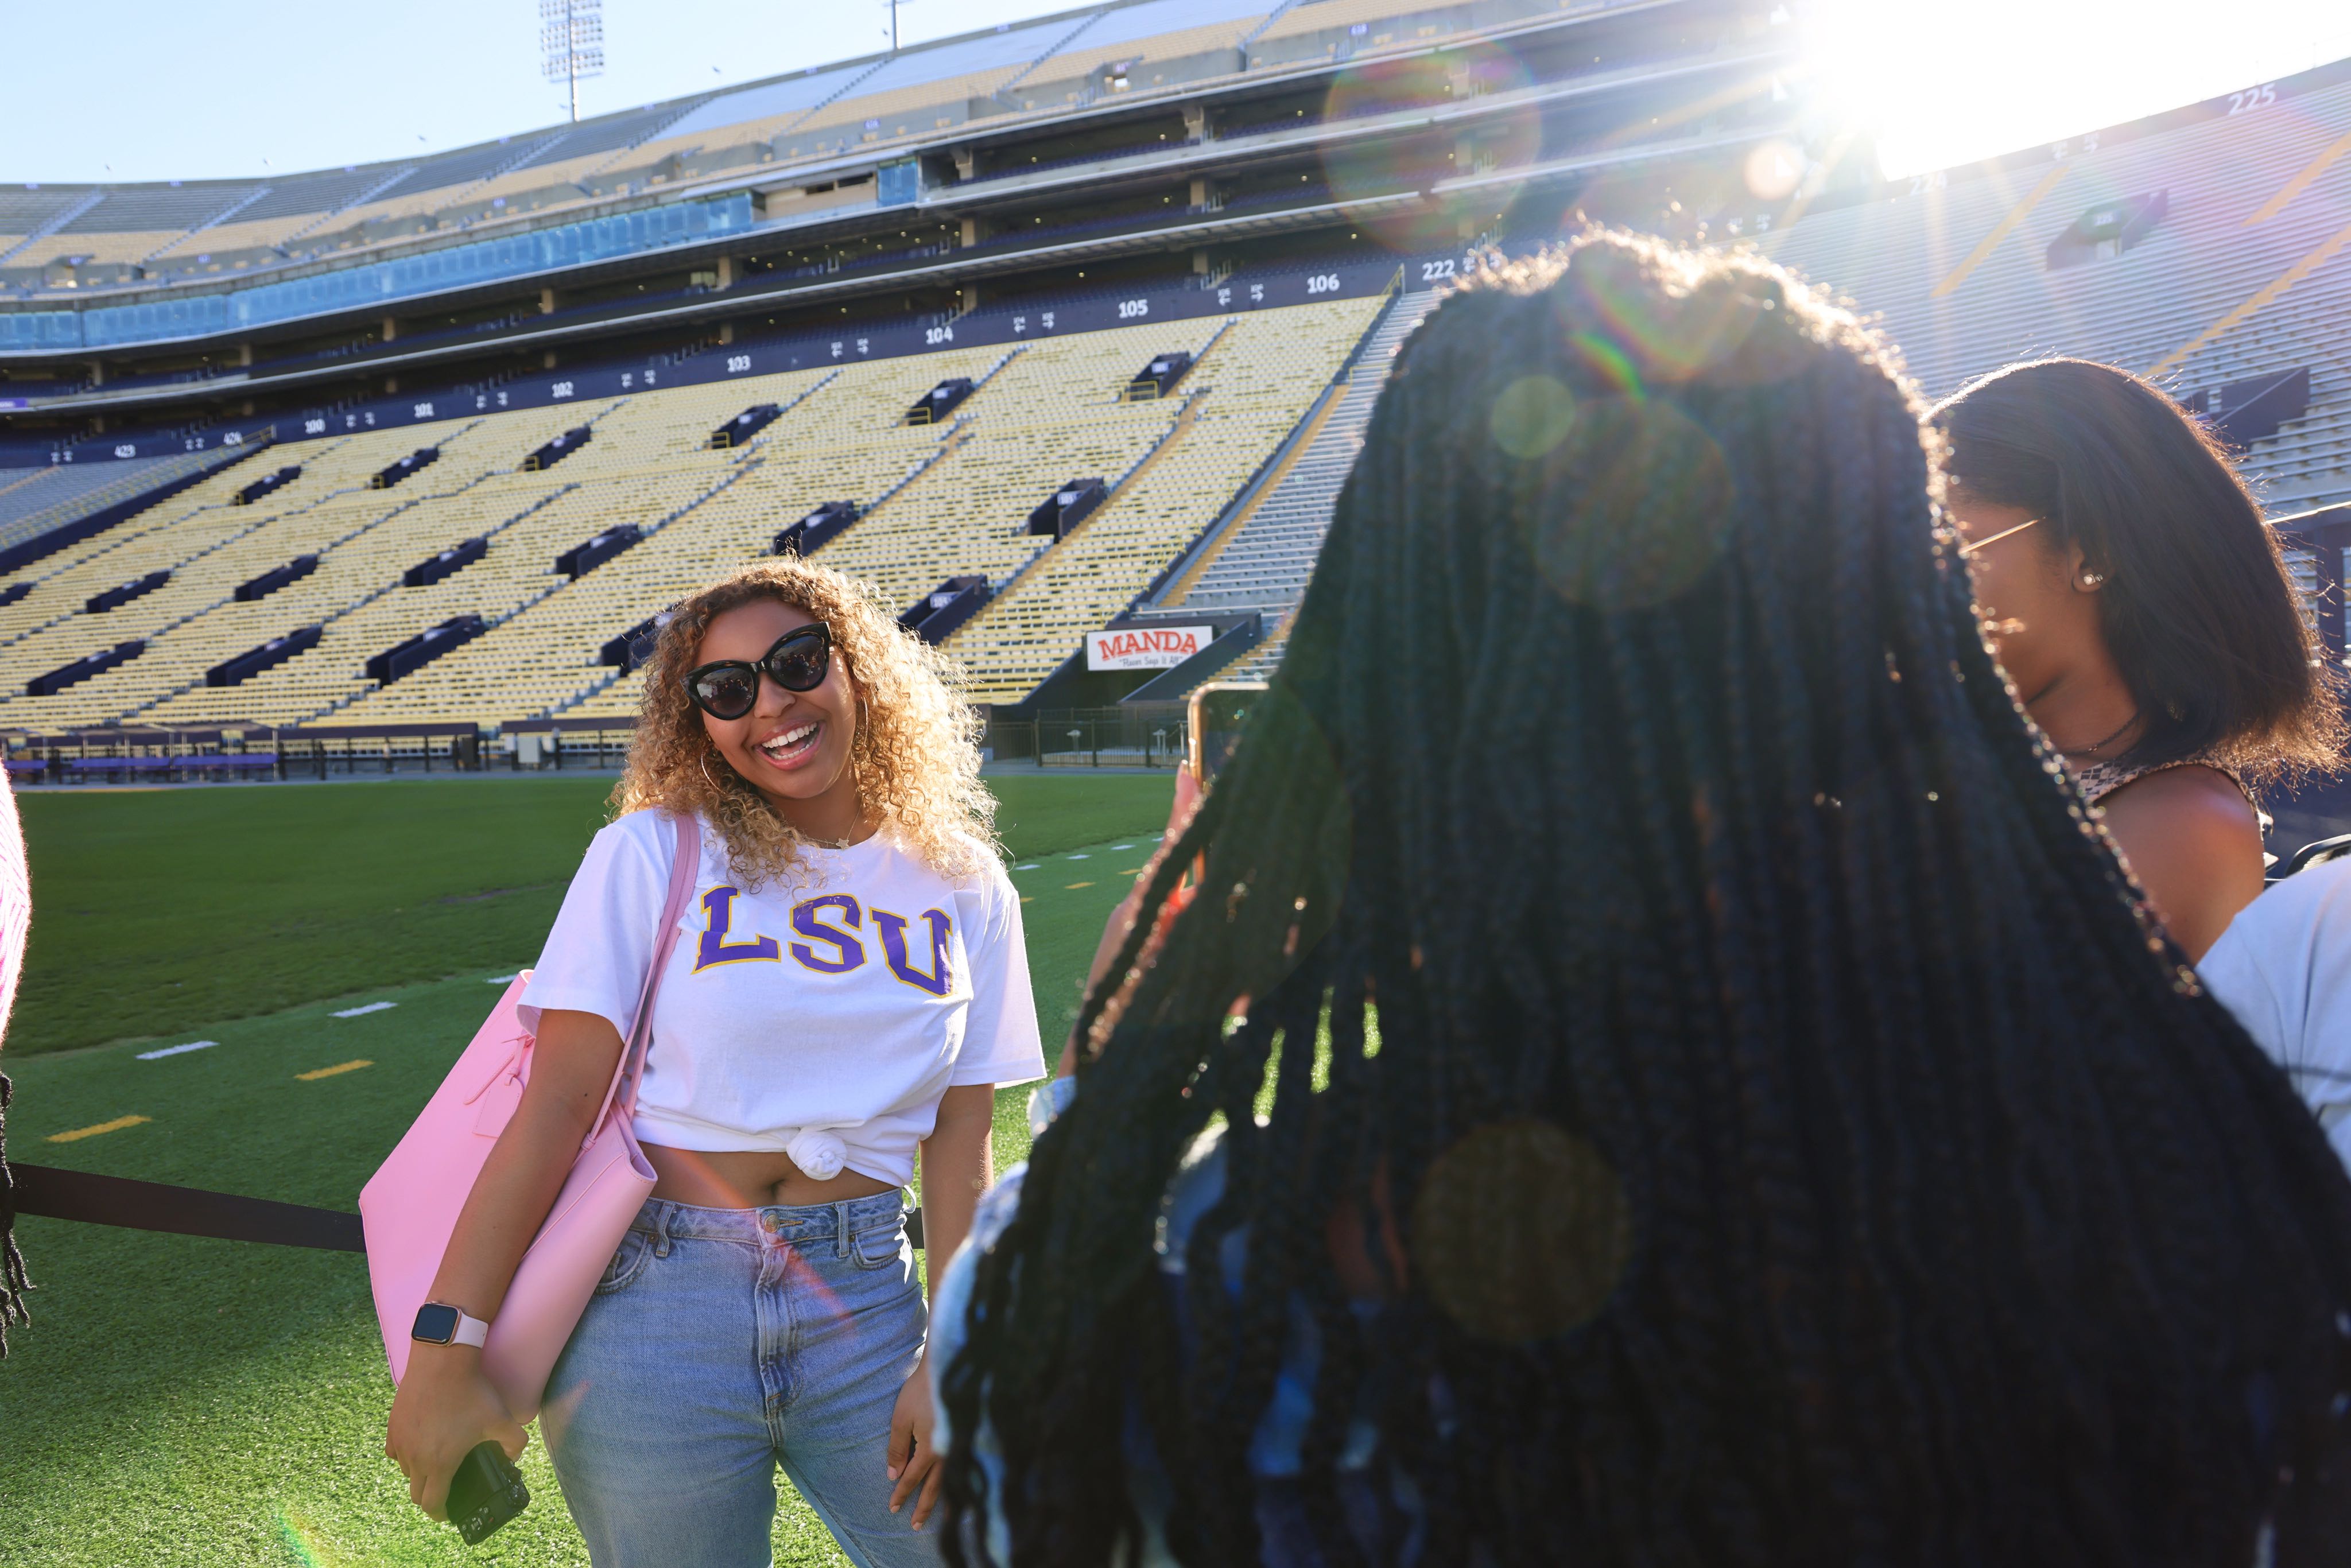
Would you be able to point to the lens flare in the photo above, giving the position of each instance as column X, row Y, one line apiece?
column 1520, row 1232
column 1669, row 341
column 1632, row 509
column 1532, row 415
column 302, row 1542
column 1773, row 170
column 1376, row 179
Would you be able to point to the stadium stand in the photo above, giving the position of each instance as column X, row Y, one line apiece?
column 2246, row 276
column 106, row 242
column 73, row 239
column 34, row 500
column 973, row 184
column 1037, row 416
column 252, row 235
column 1139, row 47
column 1251, row 389
column 939, row 499
column 1264, row 558
column 212, row 545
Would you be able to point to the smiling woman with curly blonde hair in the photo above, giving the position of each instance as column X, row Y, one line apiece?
column 916, row 758
column 846, row 990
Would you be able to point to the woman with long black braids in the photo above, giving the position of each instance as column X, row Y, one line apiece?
column 1703, row 1092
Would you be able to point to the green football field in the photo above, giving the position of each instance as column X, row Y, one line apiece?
column 182, row 1401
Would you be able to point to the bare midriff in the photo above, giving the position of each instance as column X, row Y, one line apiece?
column 752, row 1178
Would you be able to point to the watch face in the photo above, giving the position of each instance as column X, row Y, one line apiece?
column 435, row 1324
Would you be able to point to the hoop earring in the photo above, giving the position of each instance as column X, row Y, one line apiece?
column 716, row 788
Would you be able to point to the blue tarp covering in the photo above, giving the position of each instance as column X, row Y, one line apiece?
column 380, row 282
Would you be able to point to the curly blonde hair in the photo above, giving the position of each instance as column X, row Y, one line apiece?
column 916, row 753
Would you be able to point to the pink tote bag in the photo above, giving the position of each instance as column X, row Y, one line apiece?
column 410, row 1207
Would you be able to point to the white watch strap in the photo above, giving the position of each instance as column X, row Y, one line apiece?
column 471, row 1330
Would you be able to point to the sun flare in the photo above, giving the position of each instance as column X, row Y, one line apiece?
column 1943, row 83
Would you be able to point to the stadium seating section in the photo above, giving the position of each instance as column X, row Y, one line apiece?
column 35, row 500
column 2246, row 275
column 942, row 499
column 1262, row 560
column 57, row 239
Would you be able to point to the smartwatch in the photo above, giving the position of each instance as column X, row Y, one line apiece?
column 437, row 1322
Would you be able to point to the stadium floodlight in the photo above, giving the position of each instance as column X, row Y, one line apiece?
column 572, row 44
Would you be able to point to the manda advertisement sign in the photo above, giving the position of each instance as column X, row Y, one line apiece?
column 1145, row 647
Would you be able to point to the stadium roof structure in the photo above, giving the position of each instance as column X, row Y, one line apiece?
column 1099, row 139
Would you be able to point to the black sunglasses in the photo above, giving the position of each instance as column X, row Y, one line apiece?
column 728, row 688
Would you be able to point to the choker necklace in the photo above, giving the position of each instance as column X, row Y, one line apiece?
column 2101, row 746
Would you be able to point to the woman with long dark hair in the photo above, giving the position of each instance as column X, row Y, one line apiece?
column 1703, row 1089
column 2138, row 603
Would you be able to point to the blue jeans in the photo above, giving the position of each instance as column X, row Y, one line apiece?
column 721, row 1343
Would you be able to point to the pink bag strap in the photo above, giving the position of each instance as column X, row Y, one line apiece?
column 630, row 1068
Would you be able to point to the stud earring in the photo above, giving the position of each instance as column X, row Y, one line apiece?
column 2092, row 579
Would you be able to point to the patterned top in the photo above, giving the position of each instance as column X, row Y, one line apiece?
column 2097, row 780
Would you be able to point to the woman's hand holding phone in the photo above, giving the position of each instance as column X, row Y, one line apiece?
column 445, row 1405
column 1122, row 920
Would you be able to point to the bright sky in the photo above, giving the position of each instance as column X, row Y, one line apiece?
column 154, row 90
column 1949, row 82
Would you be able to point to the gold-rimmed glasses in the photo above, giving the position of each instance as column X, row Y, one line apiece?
column 1971, row 548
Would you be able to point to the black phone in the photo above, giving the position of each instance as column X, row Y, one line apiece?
column 485, row 1493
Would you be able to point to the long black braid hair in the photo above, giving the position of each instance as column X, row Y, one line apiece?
column 1782, row 1132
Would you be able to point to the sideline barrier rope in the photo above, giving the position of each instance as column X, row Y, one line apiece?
column 181, row 1211
column 191, row 1211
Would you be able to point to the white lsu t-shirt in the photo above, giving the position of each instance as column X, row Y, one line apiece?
column 2284, row 968
column 821, row 1016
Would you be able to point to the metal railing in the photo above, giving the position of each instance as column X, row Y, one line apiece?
column 1141, row 735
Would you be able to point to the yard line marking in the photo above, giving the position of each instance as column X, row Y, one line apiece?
column 497, row 981
column 1115, row 848
column 176, row 1050
column 372, row 1008
column 114, row 1127
column 1031, row 866
column 1075, row 886
column 318, row 1073
column 1080, row 857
